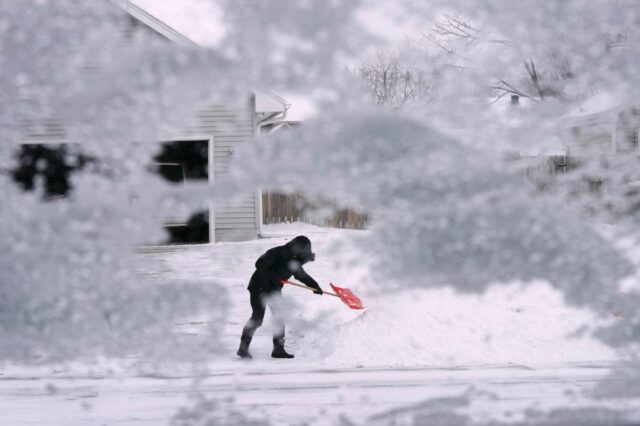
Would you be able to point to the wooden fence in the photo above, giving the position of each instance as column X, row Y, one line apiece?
column 282, row 208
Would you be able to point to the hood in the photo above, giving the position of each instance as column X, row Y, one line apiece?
column 300, row 247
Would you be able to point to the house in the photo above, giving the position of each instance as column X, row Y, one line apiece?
column 201, row 150
column 602, row 126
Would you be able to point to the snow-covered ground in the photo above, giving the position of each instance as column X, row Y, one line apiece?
column 512, row 348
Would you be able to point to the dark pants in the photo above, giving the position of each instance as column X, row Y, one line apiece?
column 259, row 301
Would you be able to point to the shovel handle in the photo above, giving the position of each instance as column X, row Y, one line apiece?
column 308, row 288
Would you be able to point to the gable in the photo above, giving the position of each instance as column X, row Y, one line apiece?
column 142, row 22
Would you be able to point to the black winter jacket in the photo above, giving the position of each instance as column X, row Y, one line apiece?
column 280, row 263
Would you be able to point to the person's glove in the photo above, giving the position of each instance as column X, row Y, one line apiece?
column 318, row 291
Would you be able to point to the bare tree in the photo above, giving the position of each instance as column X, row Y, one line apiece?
column 394, row 84
column 450, row 28
column 542, row 78
column 537, row 84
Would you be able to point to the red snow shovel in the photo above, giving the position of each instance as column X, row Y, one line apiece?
column 344, row 294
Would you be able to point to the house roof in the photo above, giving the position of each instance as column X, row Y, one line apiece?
column 154, row 23
column 603, row 107
column 269, row 102
column 597, row 104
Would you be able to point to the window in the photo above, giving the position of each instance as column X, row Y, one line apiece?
column 178, row 162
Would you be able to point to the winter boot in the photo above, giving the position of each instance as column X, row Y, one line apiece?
column 278, row 349
column 243, row 350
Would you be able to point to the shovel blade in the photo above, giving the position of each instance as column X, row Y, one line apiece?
column 347, row 296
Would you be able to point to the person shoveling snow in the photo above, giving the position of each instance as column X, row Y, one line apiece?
column 265, row 288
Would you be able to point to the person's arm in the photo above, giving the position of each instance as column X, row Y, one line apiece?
column 302, row 276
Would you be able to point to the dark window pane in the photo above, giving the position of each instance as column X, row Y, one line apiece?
column 193, row 156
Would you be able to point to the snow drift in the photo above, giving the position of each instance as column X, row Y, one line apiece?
column 512, row 324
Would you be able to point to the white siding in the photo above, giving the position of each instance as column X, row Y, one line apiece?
column 44, row 131
column 591, row 136
column 231, row 125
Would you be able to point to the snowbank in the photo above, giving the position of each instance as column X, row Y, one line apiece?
column 511, row 324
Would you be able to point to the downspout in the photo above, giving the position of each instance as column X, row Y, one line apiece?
column 276, row 117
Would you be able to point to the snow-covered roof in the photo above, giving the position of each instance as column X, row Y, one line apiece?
column 300, row 107
column 601, row 107
column 269, row 102
column 597, row 104
column 154, row 23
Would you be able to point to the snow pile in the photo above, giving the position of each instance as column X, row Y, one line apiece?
column 511, row 324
